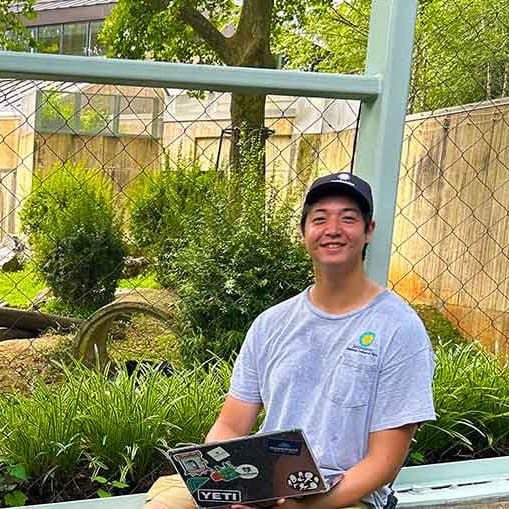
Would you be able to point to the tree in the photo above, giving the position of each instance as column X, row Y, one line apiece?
column 14, row 36
column 193, row 30
column 461, row 48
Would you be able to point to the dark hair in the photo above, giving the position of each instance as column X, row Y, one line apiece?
column 366, row 217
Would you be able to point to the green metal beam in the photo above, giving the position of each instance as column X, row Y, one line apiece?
column 188, row 76
column 378, row 153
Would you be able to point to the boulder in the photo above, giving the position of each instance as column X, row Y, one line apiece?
column 14, row 253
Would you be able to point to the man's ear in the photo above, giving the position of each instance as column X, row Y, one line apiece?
column 371, row 230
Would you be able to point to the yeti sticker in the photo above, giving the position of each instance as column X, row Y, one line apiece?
column 228, row 496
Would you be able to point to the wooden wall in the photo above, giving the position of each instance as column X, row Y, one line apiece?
column 123, row 158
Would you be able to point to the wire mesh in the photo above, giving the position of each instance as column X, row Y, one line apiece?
column 450, row 244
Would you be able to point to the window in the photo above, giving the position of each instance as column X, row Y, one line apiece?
column 74, row 41
column 70, row 38
column 95, row 48
column 49, row 38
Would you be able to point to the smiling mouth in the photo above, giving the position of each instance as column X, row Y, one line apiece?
column 332, row 245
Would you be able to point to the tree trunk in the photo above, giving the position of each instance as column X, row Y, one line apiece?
column 504, row 83
column 35, row 320
column 250, row 47
column 248, row 135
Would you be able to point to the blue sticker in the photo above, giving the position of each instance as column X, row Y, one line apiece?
column 290, row 447
column 196, row 482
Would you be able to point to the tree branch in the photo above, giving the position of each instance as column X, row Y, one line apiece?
column 207, row 31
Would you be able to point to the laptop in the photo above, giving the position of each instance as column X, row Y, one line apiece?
column 256, row 469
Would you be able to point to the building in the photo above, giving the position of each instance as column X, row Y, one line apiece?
column 69, row 27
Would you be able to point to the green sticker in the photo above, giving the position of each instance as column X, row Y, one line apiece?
column 196, row 482
column 228, row 472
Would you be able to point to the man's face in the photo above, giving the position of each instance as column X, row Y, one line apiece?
column 335, row 232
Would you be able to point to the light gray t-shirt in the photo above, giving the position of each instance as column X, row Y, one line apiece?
column 337, row 377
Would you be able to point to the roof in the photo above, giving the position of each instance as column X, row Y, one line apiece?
column 49, row 5
column 45, row 5
column 12, row 92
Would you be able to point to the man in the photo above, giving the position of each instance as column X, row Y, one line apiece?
column 346, row 361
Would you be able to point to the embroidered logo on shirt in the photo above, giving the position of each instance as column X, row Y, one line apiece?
column 367, row 339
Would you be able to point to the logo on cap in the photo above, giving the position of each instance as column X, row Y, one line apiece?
column 343, row 176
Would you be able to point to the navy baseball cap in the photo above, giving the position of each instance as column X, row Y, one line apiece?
column 342, row 183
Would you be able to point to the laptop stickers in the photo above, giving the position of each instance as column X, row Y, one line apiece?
column 249, row 470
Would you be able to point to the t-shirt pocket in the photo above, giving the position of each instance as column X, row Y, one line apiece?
column 351, row 383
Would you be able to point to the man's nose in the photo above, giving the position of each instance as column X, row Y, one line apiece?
column 333, row 229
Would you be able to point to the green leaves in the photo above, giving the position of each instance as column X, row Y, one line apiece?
column 11, row 477
column 472, row 404
column 13, row 34
column 237, row 255
column 115, row 428
column 102, row 493
column 17, row 472
column 15, row 499
column 76, row 235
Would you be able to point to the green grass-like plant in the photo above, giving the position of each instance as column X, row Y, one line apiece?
column 471, row 393
column 113, row 426
column 19, row 288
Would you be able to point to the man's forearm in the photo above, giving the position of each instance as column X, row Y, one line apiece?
column 222, row 431
column 357, row 483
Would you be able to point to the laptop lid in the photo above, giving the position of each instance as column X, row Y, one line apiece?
column 249, row 470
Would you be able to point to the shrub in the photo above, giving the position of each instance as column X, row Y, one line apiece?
column 75, row 235
column 440, row 329
column 240, row 256
column 162, row 202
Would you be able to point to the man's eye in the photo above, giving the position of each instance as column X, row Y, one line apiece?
column 349, row 219
column 318, row 219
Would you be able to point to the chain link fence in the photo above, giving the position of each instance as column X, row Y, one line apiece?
column 171, row 148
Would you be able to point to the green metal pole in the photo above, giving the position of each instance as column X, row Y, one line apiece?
column 378, row 154
column 141, row 73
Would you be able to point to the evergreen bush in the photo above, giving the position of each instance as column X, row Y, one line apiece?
column 75, row 235
column 240, row 255
column 162, row 202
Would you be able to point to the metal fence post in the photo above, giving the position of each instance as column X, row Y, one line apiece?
column 378, row 153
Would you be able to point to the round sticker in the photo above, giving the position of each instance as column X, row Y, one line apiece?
column 247, row 471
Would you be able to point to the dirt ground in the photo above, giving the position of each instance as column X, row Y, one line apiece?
column 140, row 337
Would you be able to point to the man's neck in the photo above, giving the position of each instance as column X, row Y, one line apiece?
column 343, row 292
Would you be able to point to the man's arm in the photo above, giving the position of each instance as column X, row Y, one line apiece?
column 236, row 419
column 387, row 450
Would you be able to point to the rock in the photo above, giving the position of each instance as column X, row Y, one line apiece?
column 134, row 266
column 14, row 253
column 43, row 296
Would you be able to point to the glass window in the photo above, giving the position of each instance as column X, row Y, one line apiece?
column 74, row 41
column 49, row 38
column 95, row 48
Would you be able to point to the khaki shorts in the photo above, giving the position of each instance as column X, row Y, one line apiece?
column 171, row 493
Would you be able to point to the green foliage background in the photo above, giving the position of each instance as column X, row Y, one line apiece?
column 75, row 235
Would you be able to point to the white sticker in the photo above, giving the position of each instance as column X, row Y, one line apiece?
column 192, row 462
column 247, row 471
column 219, row 454
column 303, row 481
column 219, row 496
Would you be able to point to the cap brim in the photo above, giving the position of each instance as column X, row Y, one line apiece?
column 338, row 188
